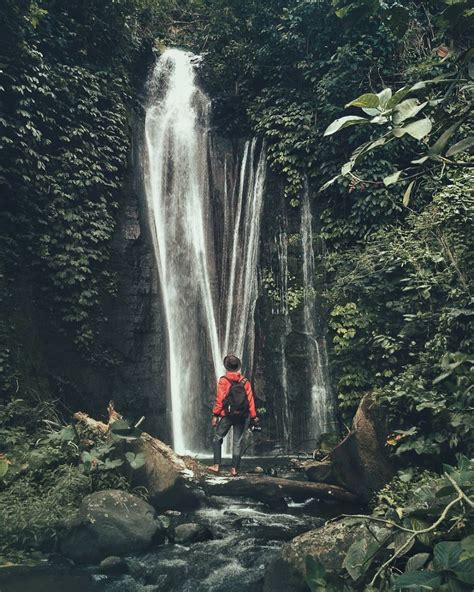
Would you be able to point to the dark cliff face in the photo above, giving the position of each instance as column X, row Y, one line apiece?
column 282, row 361
column 134, row 336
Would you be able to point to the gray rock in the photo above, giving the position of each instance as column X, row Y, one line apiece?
column 320, row 472
column 361, row 462
column 110, row 522
column 165, row 476
column 113, row 565
column 246, row 522
column 191, row 533
column 329, row 544
column 280, row 576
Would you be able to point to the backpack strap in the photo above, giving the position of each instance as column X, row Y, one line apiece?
column 243, row 380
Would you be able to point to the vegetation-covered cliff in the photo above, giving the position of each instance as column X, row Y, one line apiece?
column 369, row 104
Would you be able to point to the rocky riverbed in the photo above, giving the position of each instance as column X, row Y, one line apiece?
column 231, row 548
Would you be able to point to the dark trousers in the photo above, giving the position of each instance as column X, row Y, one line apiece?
column 239, row 424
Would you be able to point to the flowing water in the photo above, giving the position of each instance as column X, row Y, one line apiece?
column 321, row 418
column 247, row 536
column 206, row 251
column 205, row 208
column 176, row 170
column 283, row 419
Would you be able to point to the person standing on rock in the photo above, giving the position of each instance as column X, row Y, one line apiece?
column 234, row 408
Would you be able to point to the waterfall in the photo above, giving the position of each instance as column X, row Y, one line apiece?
column 321, row 413
column 283, row 419
column 245, row 232
column 176, row 177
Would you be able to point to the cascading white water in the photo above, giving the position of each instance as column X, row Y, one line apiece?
column 176, row 127
column 245, row 231
column 321, row 419
column 284, row 416
column 176, row 171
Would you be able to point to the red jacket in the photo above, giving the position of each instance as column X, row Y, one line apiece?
column 223, row 387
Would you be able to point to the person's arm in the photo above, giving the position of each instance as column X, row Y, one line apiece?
column 222, row 389
column 251, row 400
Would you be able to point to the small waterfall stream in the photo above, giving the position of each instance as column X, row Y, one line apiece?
column 176, row 171
column 321, row 417
column 283, row 416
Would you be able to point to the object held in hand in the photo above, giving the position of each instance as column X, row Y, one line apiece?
column 255, row 425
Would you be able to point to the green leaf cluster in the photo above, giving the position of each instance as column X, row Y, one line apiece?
column 46, row 468
column 400, row 322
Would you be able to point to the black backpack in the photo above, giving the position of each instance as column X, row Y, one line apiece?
column 236, row 403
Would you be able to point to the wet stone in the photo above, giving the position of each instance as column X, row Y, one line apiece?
column 113, row 565
column 246, row 522
column 192, row 533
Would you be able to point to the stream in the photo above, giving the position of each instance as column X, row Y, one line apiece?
column 247, row 536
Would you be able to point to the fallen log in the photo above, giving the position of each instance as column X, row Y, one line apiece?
column 274, row 490
column 172, row 480
column 114, row 415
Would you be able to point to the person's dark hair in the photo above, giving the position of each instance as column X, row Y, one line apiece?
column 231, row 363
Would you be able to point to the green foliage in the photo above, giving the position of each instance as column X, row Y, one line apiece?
column 320, row 579
column 289, row 299
column 448, row 570
column 419, row 527
column 395, row 114
column 401, row 325
column 67, row 75
column 49, row 469
column 395, row 16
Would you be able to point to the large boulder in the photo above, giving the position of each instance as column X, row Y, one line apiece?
column 320, row 471
column 170, row 479
column 361, row 463
column 329, row 544
column 110, row 522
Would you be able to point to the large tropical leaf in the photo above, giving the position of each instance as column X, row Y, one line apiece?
column 343, row 122
column 419, row 129
column 384, row 97
column 461, row 146
column 464, row 571
column 407, row 194
column 315, row 573
column 407, row 109
column 417, row 562
column 426, row 580
column 442, row 141
column 359, row 557
column 391, row 179
column 368, row 100
column 447, row 554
